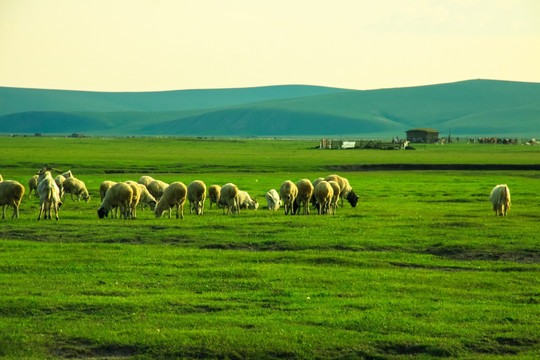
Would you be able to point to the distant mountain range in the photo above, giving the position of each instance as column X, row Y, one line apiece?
column 467, row 108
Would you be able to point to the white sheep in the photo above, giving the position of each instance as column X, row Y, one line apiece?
column 119, row 195
column 196, row 194
column 245, row 201
column 305, row 191
column 337, row 190
column 59, row 180
column 500, row 199
column 11, row 194
column 173, row 196
column 76, row 187
column 214, row 194
column 146, row 198
column 288, row 192
column 229, row 198
column 104, row 186
column 346, row 189
column 49, row 196
column 145, row 180
column 273, row 200
column 323, row 194
column 135, row 198
column 32, row 185
column 156, row 188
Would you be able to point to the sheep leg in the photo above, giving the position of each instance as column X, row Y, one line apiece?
column 40, row 211
column 4, row 211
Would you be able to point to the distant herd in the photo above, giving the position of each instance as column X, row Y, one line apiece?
column 122, row 199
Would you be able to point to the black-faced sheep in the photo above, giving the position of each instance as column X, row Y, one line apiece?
column 119, row 195
column 11, row 194
column 305, row 191
column 156, row 188
column 49, row 196
column 323, row 193
column 333, row 203
column 145, row 180
column 245, row 201
column 288, row 192
column 272, row 198
column 214, row 193
column 173, row 196
column 500, row 199
column 196, row 194
column 32, row 185
column 229, row 198
column 76, row 187
column 346, row 189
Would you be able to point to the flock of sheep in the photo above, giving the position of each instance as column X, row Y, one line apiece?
column 121, row 199
column 124, row 197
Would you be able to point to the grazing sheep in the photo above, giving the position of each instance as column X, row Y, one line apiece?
column 196, row 194
column 214, row 194
column 146, row 198
column 314, row 183
column 132, row 213
column 335, row 198
column 49, row 196
column 156, row 188
column 104, row 186
column 323, row 193
column 76, row 187
column 119, row 195
column 273, row 200
column 305, row 191
column 229, row 198
column 346, row 189
column 59, row 180
column 32, row 185
column 11, row 194
column 173, row 196
column 246, row 202
column 288, row 192
column 500, row 199
column 145, row 180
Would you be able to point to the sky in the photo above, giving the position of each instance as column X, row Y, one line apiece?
column 154, row 45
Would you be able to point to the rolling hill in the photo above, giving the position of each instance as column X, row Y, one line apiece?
column 475, row 107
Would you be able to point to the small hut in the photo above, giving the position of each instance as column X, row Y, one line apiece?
column 422, row 135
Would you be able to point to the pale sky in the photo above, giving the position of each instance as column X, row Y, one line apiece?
column 150, row 45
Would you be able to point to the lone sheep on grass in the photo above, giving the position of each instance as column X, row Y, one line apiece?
column 500, row 199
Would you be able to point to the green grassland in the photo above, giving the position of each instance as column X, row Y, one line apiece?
column 421, row 268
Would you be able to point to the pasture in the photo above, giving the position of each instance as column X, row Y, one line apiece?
column 421, row 268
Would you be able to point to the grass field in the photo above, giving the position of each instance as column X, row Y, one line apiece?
column 421, row 268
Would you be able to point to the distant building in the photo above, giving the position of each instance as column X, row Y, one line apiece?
column 422, row 135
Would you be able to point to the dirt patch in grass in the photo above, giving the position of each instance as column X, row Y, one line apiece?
column 469, row 254
column 77, row 348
